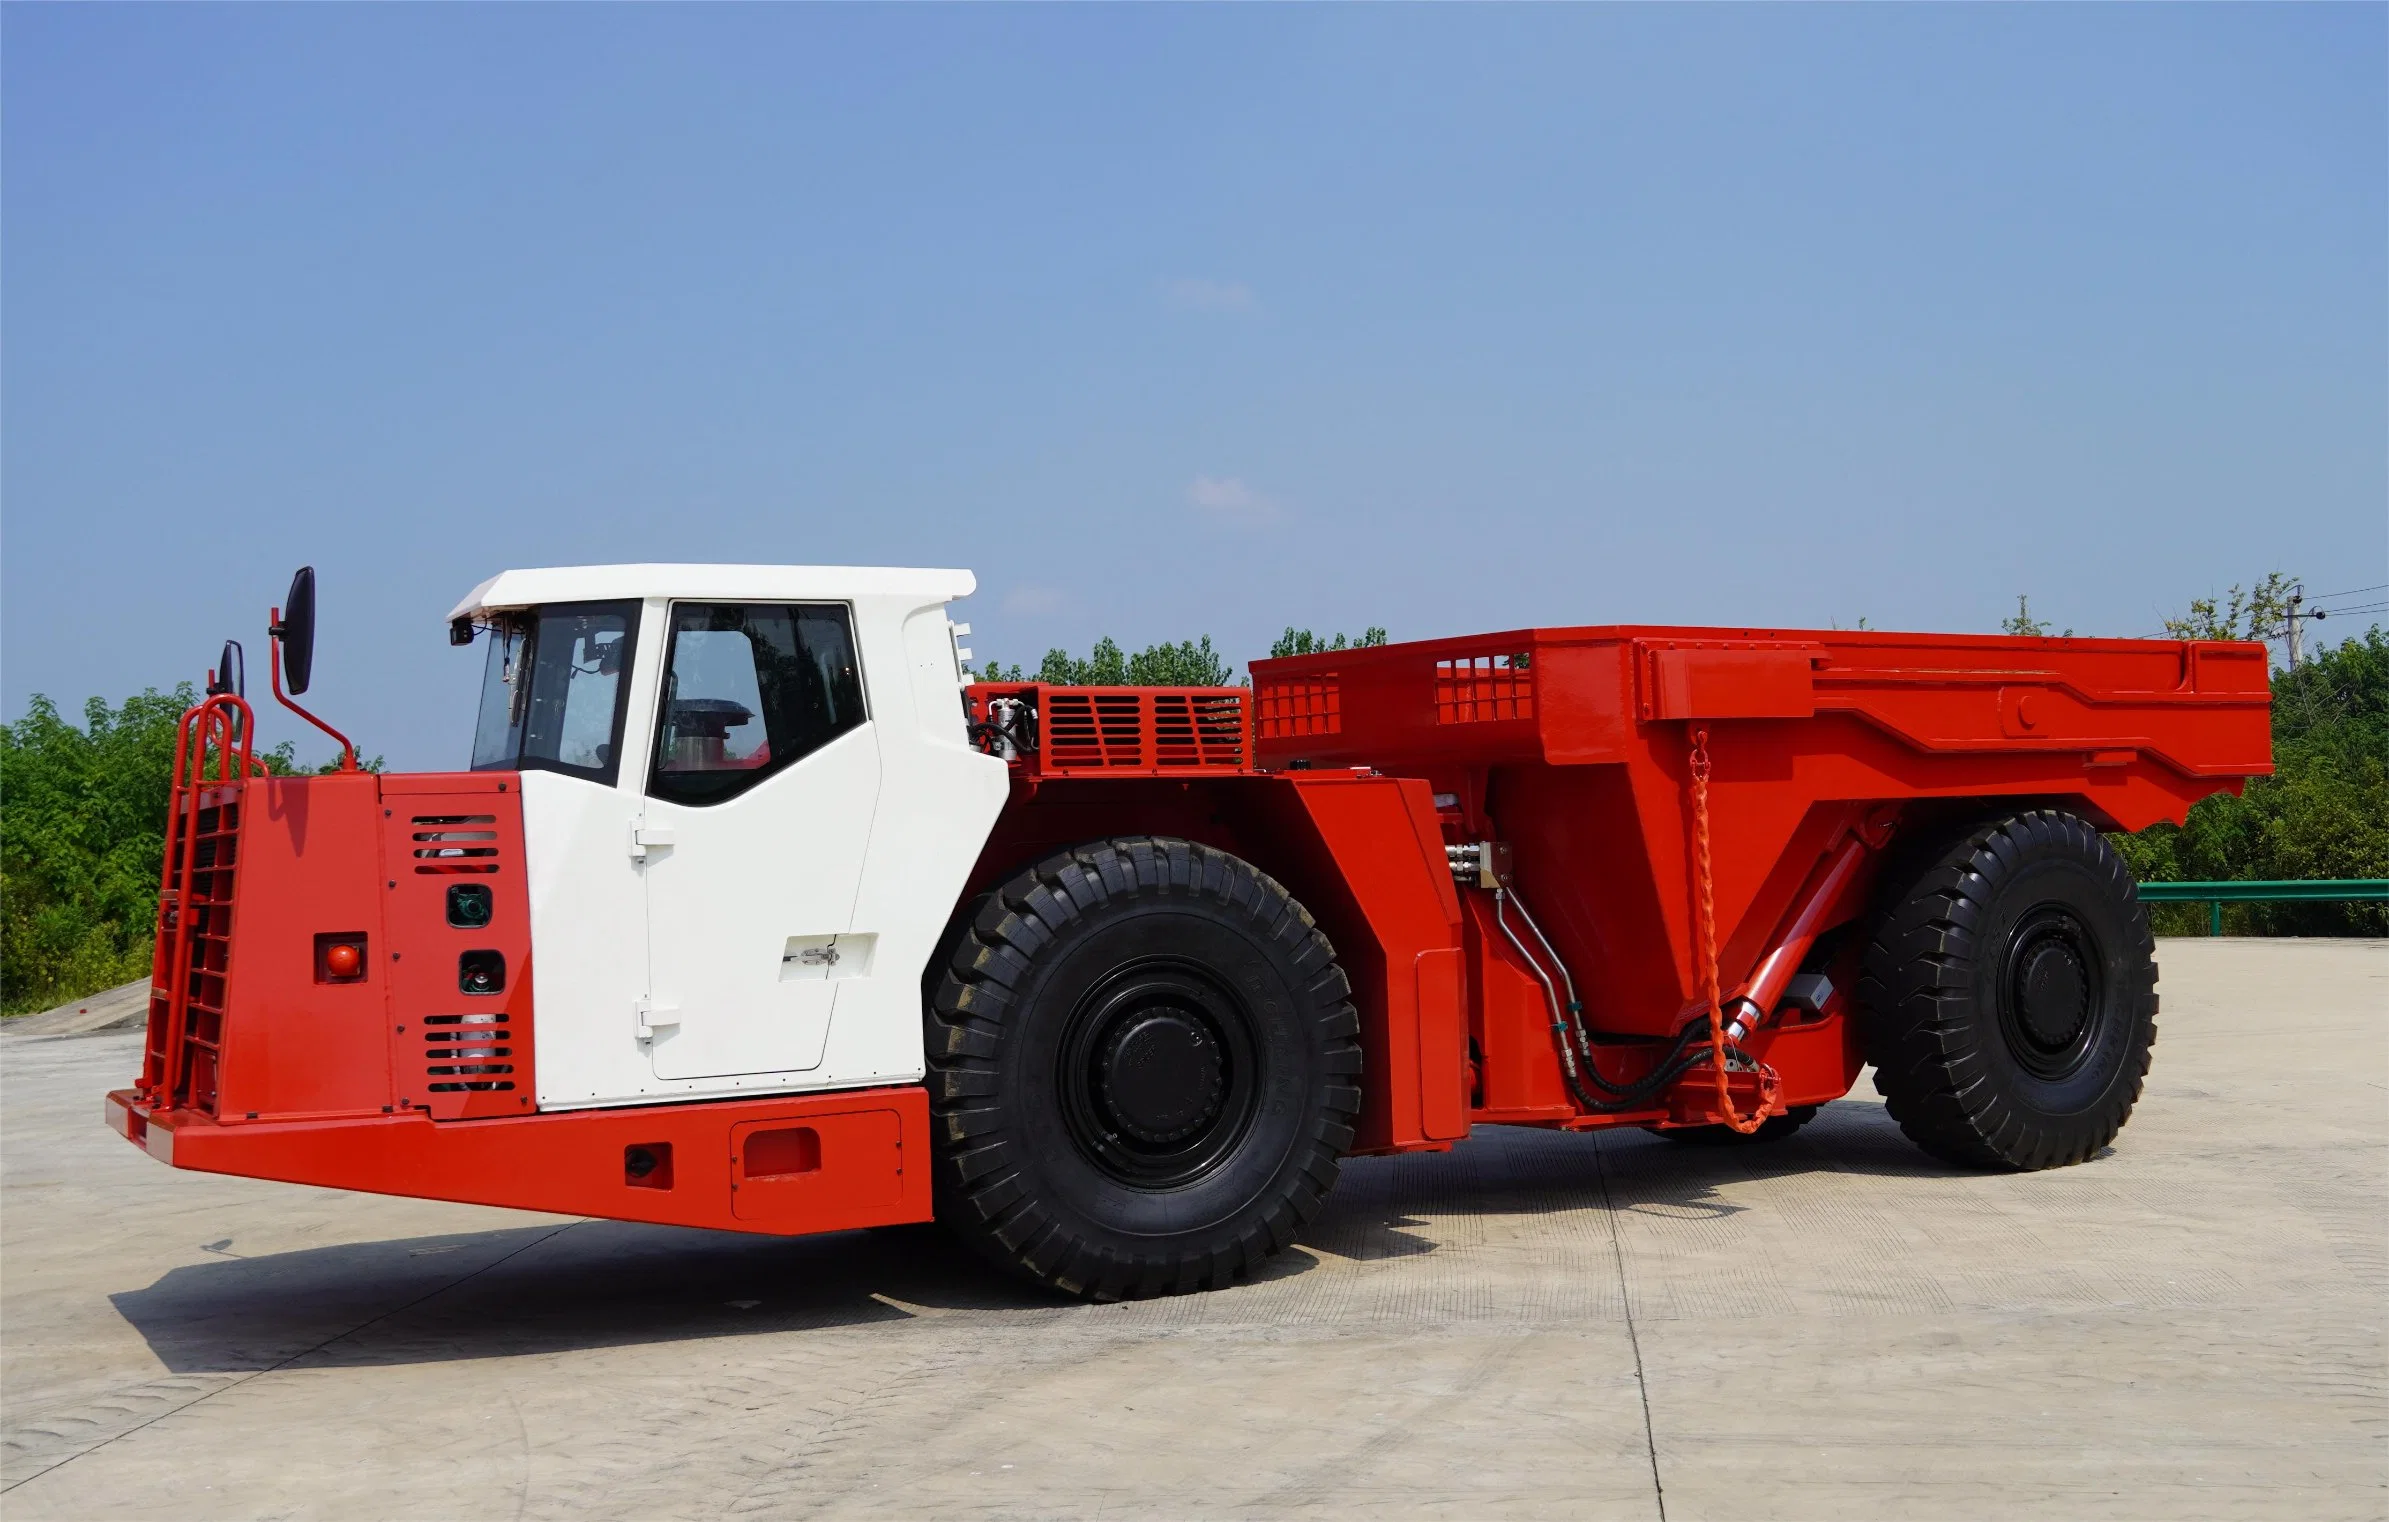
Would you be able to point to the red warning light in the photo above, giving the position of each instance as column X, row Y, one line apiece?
column 340, row 957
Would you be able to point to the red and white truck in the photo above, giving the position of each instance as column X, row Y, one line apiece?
column 752, row 913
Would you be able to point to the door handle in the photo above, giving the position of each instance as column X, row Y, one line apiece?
column 655, row 1017
column 643, row 836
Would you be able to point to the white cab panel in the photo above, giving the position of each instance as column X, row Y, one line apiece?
column 938, row 800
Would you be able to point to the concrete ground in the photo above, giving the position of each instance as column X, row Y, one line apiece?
column 1536, row 1325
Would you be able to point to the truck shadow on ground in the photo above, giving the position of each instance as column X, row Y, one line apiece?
column 566, row 1286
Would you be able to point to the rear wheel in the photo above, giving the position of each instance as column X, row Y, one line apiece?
column 1143, row 1065
column 2009, row 996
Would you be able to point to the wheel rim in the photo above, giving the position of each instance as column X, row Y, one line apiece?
column 1158, row 1072
column 2051, row 993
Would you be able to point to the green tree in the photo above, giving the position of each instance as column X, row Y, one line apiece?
column 1303, row 642
column 1189, row 663
column 2261, row 612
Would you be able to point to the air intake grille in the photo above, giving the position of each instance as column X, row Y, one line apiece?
column 1142, row 729
column 455, row 845
column 1191, row 729
column 1155, row 731
column 467, row 1053
column 1094, row 729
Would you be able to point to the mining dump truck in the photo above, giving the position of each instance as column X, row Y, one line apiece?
column 752, row 912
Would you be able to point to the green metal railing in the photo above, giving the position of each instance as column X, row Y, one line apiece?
column 2220, row 894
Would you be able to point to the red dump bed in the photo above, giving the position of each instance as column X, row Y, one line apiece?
column 1574, row 746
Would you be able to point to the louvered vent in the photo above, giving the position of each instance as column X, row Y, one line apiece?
column 467, row 1053
column 1193, row 729
column 1093, row 729
column 455, row 845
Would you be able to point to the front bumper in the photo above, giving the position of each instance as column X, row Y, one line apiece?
column 784, row 1166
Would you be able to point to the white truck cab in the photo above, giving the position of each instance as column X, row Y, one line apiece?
column 720, row 902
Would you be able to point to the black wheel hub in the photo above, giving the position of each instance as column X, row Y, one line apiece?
column 2049, row 993
column 1158, row 1074
column 1159, row 1077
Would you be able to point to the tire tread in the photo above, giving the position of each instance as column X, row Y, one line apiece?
column 979, row 1187
column 1923, row 1031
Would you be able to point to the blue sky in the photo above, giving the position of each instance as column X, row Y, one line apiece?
column 1171, row 321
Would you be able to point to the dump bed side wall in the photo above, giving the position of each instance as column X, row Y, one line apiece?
column 2194, row 713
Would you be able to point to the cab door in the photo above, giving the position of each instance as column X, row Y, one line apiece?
column 752, row 837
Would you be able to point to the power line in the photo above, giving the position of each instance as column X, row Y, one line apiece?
column 2351, row 592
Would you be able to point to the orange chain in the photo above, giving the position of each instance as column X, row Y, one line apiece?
column 1705, row 936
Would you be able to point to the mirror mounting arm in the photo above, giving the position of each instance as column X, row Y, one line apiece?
column 348, row 752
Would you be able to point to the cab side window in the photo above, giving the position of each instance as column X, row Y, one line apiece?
column 750, row 688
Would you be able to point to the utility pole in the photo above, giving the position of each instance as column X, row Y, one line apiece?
column 2297, row 622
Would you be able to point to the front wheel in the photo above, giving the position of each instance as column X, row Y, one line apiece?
column 2009, row 1000
column 1143, row 1068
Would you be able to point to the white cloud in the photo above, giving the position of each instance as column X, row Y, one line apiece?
column 1032, row 600
column 1227, row 497
column 1209, row 295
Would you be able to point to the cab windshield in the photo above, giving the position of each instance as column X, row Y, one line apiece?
column 555, row 690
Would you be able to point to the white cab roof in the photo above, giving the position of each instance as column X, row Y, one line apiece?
column 717, row 583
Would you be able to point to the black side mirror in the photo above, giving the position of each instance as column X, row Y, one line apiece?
column 296, row 631
column 231, row 673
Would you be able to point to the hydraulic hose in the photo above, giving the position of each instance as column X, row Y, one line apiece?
column 1628, row 1096
column 1503, row 896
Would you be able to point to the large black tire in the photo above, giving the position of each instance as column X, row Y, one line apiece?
column 1143, row 1069
column 2008, row 1000
column 1773, row 1128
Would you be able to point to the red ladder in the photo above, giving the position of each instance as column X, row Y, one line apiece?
column 195, row 904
